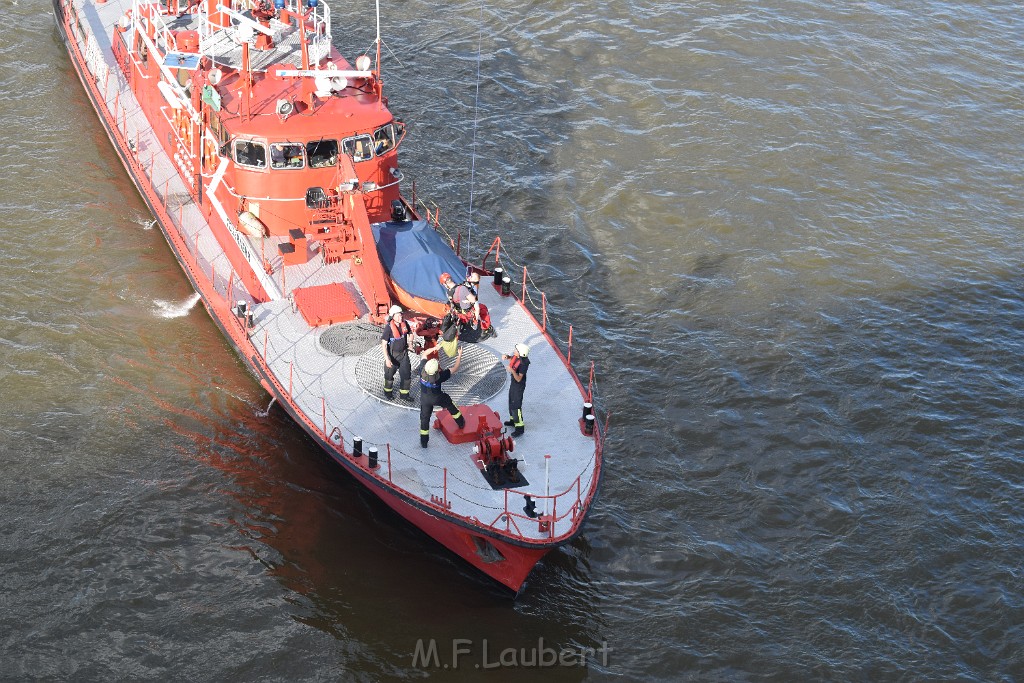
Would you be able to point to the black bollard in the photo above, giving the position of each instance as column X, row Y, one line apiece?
column 588, row 425
column 588, row 409
column 499, row 273
column 357, row 446
column 506, row 285
column 371, row 458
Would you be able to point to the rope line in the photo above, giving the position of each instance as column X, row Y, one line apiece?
column 476, row 120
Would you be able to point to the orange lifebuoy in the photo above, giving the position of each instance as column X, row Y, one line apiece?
column 209, row 155
column 180, row 123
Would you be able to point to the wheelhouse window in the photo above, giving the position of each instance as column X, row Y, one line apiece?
column 384, row 139
column 322, row 153
column 251, row 154
column 360, row 148
column 286, row 155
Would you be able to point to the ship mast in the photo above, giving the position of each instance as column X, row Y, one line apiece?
column 380, row 82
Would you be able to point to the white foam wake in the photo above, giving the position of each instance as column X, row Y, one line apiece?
column 175, row 309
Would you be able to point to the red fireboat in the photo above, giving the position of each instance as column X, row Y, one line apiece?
column 271, row 165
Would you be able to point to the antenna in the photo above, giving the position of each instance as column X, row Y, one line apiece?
column 380, row 87
column 476, row 119
column 377, row 41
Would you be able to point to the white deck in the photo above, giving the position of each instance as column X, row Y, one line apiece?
column 552, row 408
column 322, row 382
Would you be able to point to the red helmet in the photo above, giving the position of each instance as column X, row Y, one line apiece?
column 445, row 277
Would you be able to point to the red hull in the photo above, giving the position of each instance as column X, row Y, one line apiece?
column 511, row 571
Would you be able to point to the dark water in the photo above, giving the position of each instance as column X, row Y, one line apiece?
column 789, row 236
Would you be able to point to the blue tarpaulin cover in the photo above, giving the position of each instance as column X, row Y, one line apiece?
column 415, row 255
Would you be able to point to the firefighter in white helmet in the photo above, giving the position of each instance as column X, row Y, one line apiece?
column 518, row 364
column 432, row 395
column 394, row 341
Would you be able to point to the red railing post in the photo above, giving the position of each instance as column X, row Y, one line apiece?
column 544, row 311
column 265, row 347
column 290, row 367
column 323, row 411
column 389, row 460
column 523, row 299
column 568, row 357
column 231, row 280
column 446, row 487
column 554, row 517
column 507, row 519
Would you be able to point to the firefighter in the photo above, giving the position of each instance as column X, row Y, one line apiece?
column 518, row 364
column 432, row 395
column 449, row 287
column 481, row 316
column 394, row 341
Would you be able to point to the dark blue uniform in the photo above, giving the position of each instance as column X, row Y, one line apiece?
column 398, row 352
column 518, row 364
column 431, row 395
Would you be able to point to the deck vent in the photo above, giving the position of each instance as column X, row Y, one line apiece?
column 480, row 377
column 350, row 339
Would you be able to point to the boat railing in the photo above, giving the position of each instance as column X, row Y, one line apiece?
column 557, row 514
column 317, row 18
column 531, row 305
column 535, row 308
column 547, row 521
column 190, row 228
column 149, row 24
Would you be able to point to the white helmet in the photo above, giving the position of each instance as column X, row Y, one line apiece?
column 431, row 367
column 523, row 349
column 395, row 310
